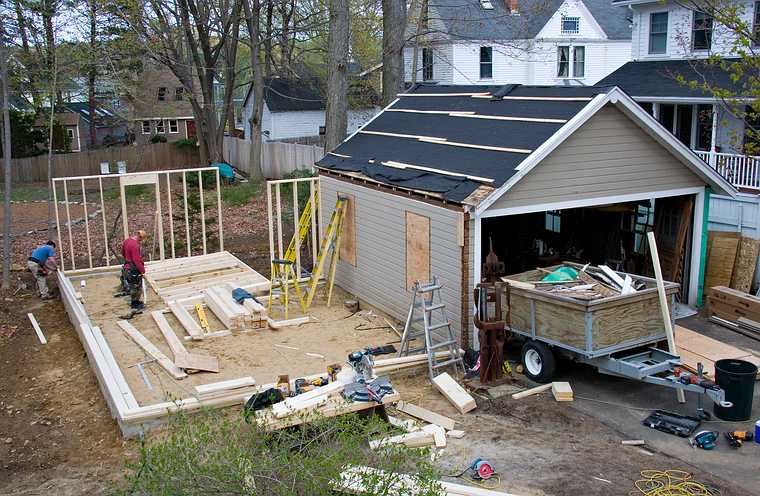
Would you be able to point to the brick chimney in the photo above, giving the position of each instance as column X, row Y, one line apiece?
column 513, row 7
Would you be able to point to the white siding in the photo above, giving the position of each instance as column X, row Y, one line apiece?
column 535, row 62
column 588, row 28
column 679, row 32
column 443, row 63
column 379, row 277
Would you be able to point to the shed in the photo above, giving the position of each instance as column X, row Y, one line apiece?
column 540, row 174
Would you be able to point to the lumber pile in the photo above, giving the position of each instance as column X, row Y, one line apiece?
column 731, row 304
column 370, row 480
column 694, row 348
column 387, row 366
column 731, row 260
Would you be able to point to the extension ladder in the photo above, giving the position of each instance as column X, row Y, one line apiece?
column 428, row 308
column 330, row 244
column 304, row 224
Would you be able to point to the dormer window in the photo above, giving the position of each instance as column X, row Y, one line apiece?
column 486, row 5
column 571, row 25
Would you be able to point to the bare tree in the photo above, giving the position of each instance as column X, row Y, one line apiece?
column 252, row 11
column 92, row 68
column 336, row 116
column 394, row 24
column 6, row 127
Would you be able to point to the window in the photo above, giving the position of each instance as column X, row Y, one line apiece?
column 643, row 223
column 162, row 94
column 658, row 32
column 486, row 62
column 160, row 127
column 568, row 67
column 173, row 126
column 571, row 25
column 563, row 56
column 70, row 133
column 146, row 127
column 552, row 220
column 427, row 64
column 579, row 61
column 701, row 32
column 486, row 5
column 704, row 126
column 756, row 25
column 179, row 94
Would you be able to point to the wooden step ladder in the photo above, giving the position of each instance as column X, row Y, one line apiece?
column 428, row 309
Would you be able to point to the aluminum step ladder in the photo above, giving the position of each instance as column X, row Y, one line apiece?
column 428, row 309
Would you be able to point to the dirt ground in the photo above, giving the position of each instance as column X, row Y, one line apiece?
column 32, row 216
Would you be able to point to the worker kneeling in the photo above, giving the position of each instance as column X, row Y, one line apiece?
column 134, row 268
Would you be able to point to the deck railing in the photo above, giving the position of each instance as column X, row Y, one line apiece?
column 740, row 170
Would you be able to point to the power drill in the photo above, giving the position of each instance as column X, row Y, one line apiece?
column 736, row 438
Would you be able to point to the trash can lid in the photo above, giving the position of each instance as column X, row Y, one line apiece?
column 736, row 366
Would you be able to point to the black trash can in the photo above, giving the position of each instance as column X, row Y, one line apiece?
column 737, row 378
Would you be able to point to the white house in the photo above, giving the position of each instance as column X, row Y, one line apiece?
column 671, row 40
column 295, row 109
column 542, row 42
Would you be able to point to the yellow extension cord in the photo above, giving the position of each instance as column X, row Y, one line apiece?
column 670, row 483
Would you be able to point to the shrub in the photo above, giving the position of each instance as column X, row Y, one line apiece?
column 157, row 138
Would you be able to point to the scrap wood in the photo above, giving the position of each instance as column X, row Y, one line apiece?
column 37, row 329
column 354, row 478
column 439, row 434
column 455, row 434
column 737, row 326
column 292, row 405
column 456, row 394
column 562, row 391
column 196, row 361
column 410, row 439
column 426, row 415
column 531, row 391
column 406, row 424
column 151, row 349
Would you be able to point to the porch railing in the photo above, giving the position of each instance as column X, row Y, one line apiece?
column 740, row 170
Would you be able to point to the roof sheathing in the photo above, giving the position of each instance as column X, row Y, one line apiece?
column 405, row 156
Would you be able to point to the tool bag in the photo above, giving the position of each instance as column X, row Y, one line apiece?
column 261, row 400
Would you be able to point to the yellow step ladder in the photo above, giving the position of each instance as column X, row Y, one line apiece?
column 304, row 224
column 330, row 244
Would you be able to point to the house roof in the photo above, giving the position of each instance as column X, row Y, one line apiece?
column 481, row 138
column 63, row 118
column 288, row 95
column 467, row 20
column 104, row 115
column 659, row 78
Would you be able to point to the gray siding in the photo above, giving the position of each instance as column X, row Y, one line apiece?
column 380, row 273
column 609, row 155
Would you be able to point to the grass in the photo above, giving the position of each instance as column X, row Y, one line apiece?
column 141, row 191
column 32, row 192
column 240, row 193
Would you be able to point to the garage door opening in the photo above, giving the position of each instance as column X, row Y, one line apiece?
column 613, row 234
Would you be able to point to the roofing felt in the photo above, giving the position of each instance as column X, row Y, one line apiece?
column 477, row 139
column 466, row 19
column 659, row 78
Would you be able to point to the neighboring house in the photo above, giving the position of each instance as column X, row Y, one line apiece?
column 294, row 108
column 160, row 105
column 545, row 42
column 670, row 40
column 110, row 128
column 74, row 126
column 444, row 170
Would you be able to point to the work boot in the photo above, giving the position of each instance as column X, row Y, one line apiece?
column 138, row 305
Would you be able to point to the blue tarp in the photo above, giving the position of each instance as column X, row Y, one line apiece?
column 225, row 170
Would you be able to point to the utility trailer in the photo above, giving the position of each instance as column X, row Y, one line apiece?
column 621, row 335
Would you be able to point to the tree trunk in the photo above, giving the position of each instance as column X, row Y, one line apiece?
column 268, row 41
column 336, row 118
column 31, row 71
column 417, row 35
column 92, row 74
column 6, row 127
column 53, row 92
column 287, row 9
column 394, row 23
column 252, row 10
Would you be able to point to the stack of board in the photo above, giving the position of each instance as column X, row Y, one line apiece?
column 731, row 304
column 562, row 391
column 694, row 348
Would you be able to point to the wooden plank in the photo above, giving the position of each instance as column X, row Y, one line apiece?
column 531, row 391
column 151, row 349
column 562, row 391
column 439, row 434
column 188, row 322
column 229, row 385
column 721, row 255
column 132, row 179
column 196, row 361
column 744, row 266
column 175, row 345
column 348, row 236
column 707, row 347
column 37, row 329
column 426, row 415
column 417, row 439
column 220, row 309
column 417, row 248
column 664, row 304
column 455, row 393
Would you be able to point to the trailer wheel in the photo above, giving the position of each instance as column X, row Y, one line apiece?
column 538, row 361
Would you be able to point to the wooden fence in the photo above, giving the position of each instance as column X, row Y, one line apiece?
column 160, row 156
column 277, row 158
